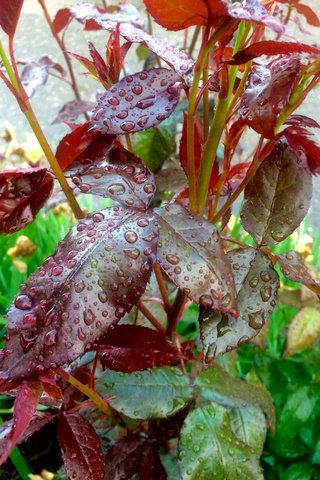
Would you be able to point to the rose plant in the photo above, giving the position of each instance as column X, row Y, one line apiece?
column 93, row 335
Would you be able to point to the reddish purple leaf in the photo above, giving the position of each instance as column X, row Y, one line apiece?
column 112, row 171
column 179, row 60
column 80, row 447
column 299, row 141
column 9, row 15
column 123, row 13
column 75, row 143
column 38, row 421
column 191, row 254
column 134, row 455
column 257, row 285
column 35, row 73
column 278, row 197
column 301, row 120
column 116, row 54
column 254, row 11
column 95, row 276
column 99, row 64
column 22, row 193
column 62, row 19
column 267, row 91
column 272, row 47
column 71, row 111
column 137, row 102
column 130, row 348
column 294, row 268
column 24, row 407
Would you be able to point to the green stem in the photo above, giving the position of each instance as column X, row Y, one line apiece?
column 258, row 159
column 194, row 40
column 129, row 142
column 88, row 392
column 34, row 124
column 9, row 69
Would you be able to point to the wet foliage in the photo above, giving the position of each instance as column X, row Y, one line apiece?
column 99, row 344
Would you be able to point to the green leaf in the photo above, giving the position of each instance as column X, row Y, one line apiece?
column 154, row 393
column 208, row 448
column 299, row 471
column 250, row 426
column 156, row 145
column 216, row 385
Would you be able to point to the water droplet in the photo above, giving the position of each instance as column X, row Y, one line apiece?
column 289, row 256
column 97, row 217
column 81, row 334
column 131, row 236
column 243, row 340
column 143, row 104
column 149, row 188
column 88, row 317
column 79, row 286
column 256, row 320
column 23, row 302
column 137, row 89
column 102, row 297
column 265, row 293
column 129, row 79
column 236, row 266
column 253, row 282
column 71, row 263
column 210, row 353
column 81, row 227
column 64, row 316
column 143, row 121
column 26, row 342
column 206, row 301
column 143, row 76
column 143, row 222
column 277, row 236
column 132, row 253
column 116, row 189
column 265, row 277
column 29, row 319
column 196, row 448
column 231, row 452
column 50, row 338
column 173, row 259
column 226, row 300
column 127, row 126
column 113, row 101
column 119, row 312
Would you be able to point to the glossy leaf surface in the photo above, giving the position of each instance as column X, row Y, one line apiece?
column 249, row 425
column 22, row 193
column 25, row 404
column 154, row 393
column 207, row 434
column 10, row 13
column 267, row 91
column 278, row 197
column 114, row 172
column 137, row 102
column 94, row 277
column 36, row 73
column 293, row 267
column 191, row 254
column 80, row 447
column 216, row 385
column 61, row 19
column 129, row 348
column 257, row 285
column 300, row 141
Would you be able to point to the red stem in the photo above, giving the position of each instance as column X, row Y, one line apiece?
column 152, row 319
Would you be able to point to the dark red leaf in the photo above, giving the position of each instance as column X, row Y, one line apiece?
column 257, row 285
column 62, row 19
column 267, row 91
column 294, row 268
column 272, row 47
column 130, row 348
column 22, row 193
column 71, row 111
column 80, row 447
column 115, row 54
column 99, row 64
column 24, row 407
column 95, row 276
column 38, row 421
column 278, row 197
column 309, row 14
column 137, row 102
column 302, row 121
column 299, row 141
column 124, row 458
column 9, row 15
column 74, row 144
column 114, row 172
column 191, row 254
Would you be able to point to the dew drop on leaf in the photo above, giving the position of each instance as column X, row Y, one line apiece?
column 23, row 302
column 173, row 259
column 131, row 236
